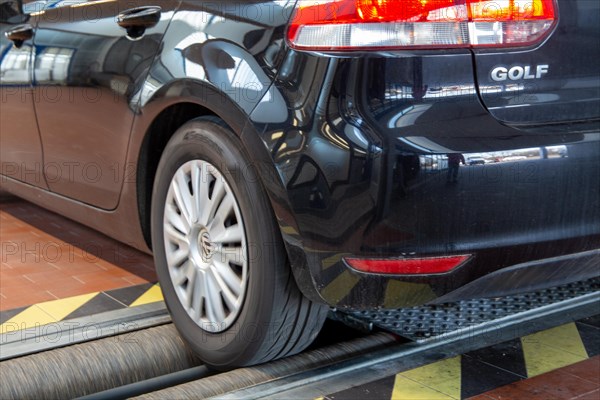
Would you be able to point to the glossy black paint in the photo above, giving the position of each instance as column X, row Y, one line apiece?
column 568, row 92
column 84, row 62
column 20, row 145
column 361, row 150
column 350, row 148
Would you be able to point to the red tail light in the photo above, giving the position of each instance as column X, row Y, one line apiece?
column 407, row 266
column 412, row 24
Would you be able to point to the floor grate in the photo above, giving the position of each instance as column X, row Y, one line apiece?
column 418, row 323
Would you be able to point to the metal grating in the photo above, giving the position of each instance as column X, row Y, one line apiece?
column 418, row 323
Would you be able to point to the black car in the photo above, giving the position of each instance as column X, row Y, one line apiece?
column 280, row 157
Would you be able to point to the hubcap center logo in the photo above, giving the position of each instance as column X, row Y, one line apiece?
column 207, row 247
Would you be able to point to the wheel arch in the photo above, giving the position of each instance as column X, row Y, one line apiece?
column 170, row 108
column 173, row 106
column 162, row 128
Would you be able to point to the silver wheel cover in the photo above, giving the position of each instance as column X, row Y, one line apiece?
column 205, row 246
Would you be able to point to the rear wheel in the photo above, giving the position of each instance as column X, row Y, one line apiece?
column 219, row 254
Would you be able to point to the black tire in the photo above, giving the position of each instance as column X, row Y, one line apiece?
column 275, row 319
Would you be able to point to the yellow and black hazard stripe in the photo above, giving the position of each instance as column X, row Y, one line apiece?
column 483, row 370
column 78, row 306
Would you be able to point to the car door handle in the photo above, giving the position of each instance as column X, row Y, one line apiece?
column 137, row 20
column 20, row 34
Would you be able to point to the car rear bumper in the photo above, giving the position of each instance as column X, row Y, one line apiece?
column 529, row 276
column 360, row 155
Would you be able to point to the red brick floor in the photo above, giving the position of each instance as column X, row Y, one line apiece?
column 578, row 381
column 44, row 257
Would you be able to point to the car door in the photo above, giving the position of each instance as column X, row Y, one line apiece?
column 88, row 76
column 20, row 145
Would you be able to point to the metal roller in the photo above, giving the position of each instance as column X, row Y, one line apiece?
column 245, row 377
column 96, row 366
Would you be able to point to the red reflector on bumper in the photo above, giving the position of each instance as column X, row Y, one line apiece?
column 407, row 266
